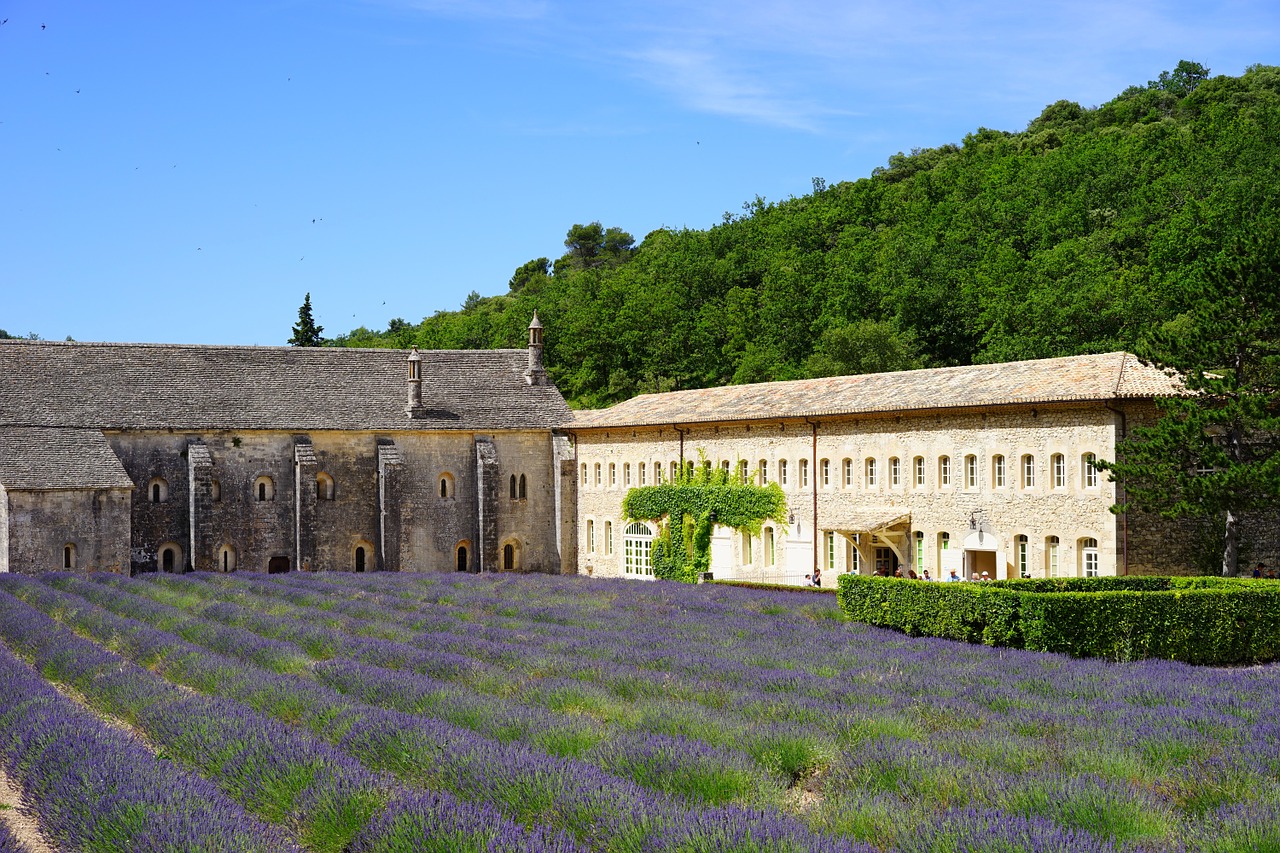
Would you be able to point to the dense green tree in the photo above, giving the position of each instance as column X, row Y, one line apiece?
column 305, row 332
column 864, row 346
column 1215, row 452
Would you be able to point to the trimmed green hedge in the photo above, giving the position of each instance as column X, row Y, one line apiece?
column 1196, row 620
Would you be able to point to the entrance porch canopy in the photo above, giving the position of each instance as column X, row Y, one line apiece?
column 890, row 526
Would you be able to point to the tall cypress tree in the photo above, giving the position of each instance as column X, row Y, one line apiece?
column 305, row 332
column 1215, row 453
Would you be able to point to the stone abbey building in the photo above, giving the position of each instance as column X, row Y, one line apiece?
column 138, row 457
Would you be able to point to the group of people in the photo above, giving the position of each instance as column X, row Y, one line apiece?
column 1261, row 571
column 911, row 575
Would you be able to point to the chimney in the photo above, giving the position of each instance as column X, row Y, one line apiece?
column 535, row 375
column 414, row 406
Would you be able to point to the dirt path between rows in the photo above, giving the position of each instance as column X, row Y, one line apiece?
column 25, row 828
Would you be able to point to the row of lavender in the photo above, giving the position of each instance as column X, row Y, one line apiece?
column 604, row 811
column 893, row 769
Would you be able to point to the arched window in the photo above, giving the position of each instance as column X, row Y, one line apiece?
column 1059, row 465
column 584, row 473
column 158, row 490
column 846, row 467
column 510, row 557
column 830, row 539
column 513, row 487
column 747, row 557
column 675, row 471
column 918, row 544
column 170, row 557
column 360, row 558
column 743, row 474
column 824, row 469
column 226, row 559
column 1024, row 566
column 1089, row 471
column 637, row 544
column 642, row 474
column 608, row 537
column 523, row 490
column 770, row 552
column 591, row 536
column 613, row 474
column 804, row 473
column 724, row 466
column 324, row 487
column 944, row 470
column 1089, row 557
column 597, row 474
column 971, row 472
column 264, row 489
column 782, row 472
column 944, row 544
column 764, row 472
column 215, row 490
column 1028, row 471
column 1051, row 564
column 69, row 556
column 657, row 473
column 895, row 471
column 872, row 474
column 447, row 490
column 462, row 557
column 626, row 474
column 918, row 465
column 997, row 471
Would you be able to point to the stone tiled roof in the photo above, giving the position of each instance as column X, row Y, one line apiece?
column 50, row 458
column 156, row 386
column 1111, row 376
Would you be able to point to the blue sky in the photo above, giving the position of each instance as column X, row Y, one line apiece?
column 186, row 171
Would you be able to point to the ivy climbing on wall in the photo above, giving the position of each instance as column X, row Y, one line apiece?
column 688, row 508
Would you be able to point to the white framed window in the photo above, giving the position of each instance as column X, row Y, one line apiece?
column 657, row 473
column 584, row 473
column 852, row 557
column 831, row 552
column 637, row 547
column 724, row 466
column 1024, row 567
column 591, row 536
column 804, row 473
column 944, row 544
column 770, row 550
column 743, row 472
column 872, row 474
column 918, row 544
column 747, row 557
column 1089, row 557
column 598, row 481
column 971, row 472
column 997, row 471
column 782, row 472
column 918, row 465
column 846, row 468
column 675, row 471
column 824, row 465
column 608, row 537
column 895, row 471
column 1028, row 471
column 1051, row 564
column 613, row 474
column 1089, row 471
column 626, row 474
column 1059, row 465
column 764, row 472
column 641, row 473
column 944, row 471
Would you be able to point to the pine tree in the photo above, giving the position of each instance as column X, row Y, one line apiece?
column 305, row 332
column 1215, row 452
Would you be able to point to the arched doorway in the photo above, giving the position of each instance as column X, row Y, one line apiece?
column 509, row 557
column 170, row 558
column 278, row 565
column 360, row 558
column 462, row 563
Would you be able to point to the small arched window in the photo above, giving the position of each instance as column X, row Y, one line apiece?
column 782, row 472
column 170, row 557
column 158, row 490
column 523, row 490
column 918, row 465
column 264, row 489
column 1051, row 564
column 597, row 473
column 770, row 550
column 608, row 537
column 1059, row 465
column 626, row 474
column 743, row 471
column 584, row 473
column 324, row 487
column 895, row 471
column 971, row 472
column 1089, row 471
column 944, row 470
column 824, row 471
column 804, row 473
column 69, row 556
column 747, row 556
column 1028, row 471
column 513, row 487
column 944, row 544
column 764, row 472
column 847, row 468
column 215, row 490
column 591, row 536
column 872, row 475
column 446, row 485
column 361, row 557
column 462, row 557
column 1089, row 557
column 642, row 474
column 226, row 559
column 997, row 471
column 510, row 557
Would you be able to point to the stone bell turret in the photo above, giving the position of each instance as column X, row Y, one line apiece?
column 535, row 375
column 414, row 406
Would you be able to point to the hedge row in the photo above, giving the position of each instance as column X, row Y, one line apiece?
column 1196, row 620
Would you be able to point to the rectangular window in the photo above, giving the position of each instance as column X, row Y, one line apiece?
column 597, row 473
column 804, row 473
column 997, row 471
column 1028, row 471
column 743, row 475
column 608, row 537
column 1051, row 556
column 895, row 472
column 971, row 472
column 919, row 466
column 584, row 473
column 626, row 474
column 871, row 473
column 919, row 546
column 642, row 473
column 824, row 466
column 847, row 468
column 944, row 470
column 764, row 472
column 613, row 474
column 747, row 557
column 782, row 471
column 770, row 555
column 1059, row 471
column 591, row 536
column 831, row 552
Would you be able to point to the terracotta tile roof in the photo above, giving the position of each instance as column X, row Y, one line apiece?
column 1110, row 376
column 50, row 458
column 161, row 386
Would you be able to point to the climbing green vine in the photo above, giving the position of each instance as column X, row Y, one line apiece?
column 688, row 508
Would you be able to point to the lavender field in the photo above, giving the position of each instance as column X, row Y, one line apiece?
column 393, row 712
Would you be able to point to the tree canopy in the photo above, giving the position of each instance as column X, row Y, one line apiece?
column 1075, row 235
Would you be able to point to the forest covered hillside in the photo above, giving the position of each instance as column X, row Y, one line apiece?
column 1082, row 233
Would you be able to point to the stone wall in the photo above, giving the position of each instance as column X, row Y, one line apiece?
column 1072, row 512
column 41, row 524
